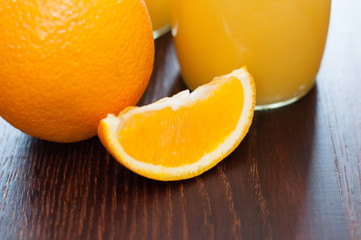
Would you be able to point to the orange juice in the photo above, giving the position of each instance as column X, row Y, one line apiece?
column 280, row 41
column 159, row 11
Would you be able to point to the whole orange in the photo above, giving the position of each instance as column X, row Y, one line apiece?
column 64, row 65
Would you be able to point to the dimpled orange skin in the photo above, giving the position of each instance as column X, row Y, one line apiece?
column 64, row 65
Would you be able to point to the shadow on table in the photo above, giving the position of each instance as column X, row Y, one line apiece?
column 268, row 174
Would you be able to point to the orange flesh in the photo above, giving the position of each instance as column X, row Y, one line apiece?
column 173, row 138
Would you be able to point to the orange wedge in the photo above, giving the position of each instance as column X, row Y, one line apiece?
column 185, row 135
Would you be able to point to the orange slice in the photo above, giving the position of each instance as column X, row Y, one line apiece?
column 185, row 135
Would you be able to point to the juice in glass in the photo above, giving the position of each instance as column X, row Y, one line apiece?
column 159, row 11
column 280, row 41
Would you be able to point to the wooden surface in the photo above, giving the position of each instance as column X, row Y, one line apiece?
column 296, row 175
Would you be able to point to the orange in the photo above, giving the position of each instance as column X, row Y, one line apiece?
column 65, row 65
column 185, row 135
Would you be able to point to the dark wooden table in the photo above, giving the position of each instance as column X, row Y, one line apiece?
column 296, row 175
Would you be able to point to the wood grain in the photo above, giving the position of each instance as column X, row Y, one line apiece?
column 296, row 175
